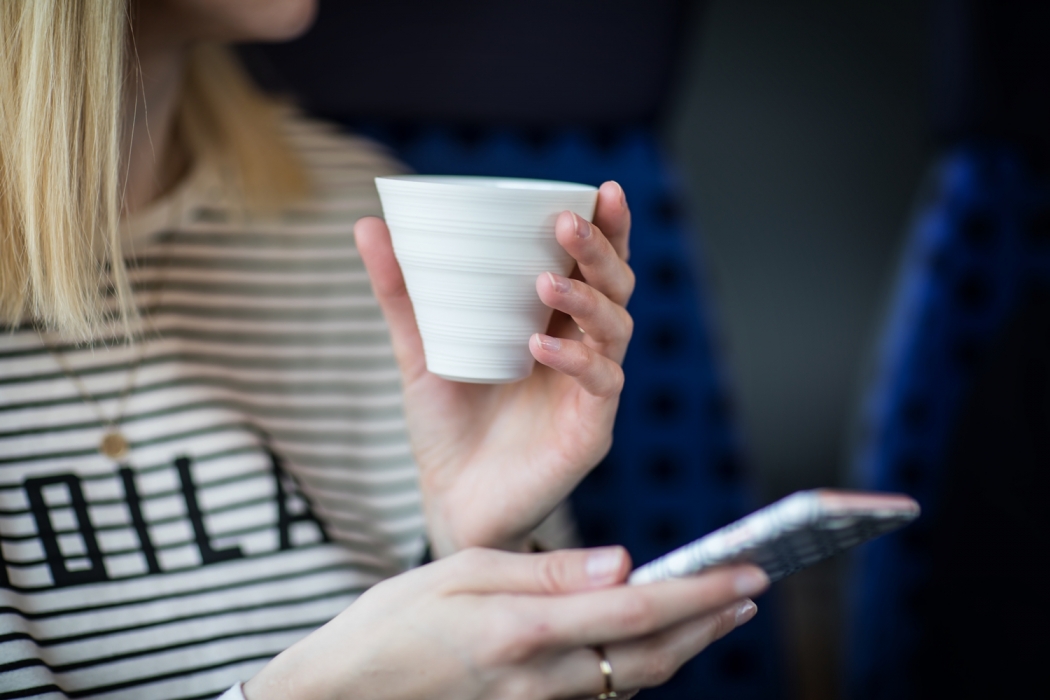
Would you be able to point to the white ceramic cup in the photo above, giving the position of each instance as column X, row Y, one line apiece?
column 470, row 249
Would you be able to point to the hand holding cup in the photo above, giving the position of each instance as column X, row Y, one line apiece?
column 495, row 459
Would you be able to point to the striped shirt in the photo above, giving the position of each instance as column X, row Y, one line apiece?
column 269, row 480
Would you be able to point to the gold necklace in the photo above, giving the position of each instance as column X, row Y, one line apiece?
column 113, row 443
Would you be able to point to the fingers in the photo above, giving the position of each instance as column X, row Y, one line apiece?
column 627, row 612
column 608, row 326
column 600, row 264
column 377, row 252
column 598, row 375
column 649, row 661
column 551, row 573
column 613, row 217
column 655, row 659
column 597, row 304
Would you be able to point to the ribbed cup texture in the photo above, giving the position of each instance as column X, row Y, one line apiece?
column 470, row 250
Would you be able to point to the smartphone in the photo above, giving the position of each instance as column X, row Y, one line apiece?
column 789, row 535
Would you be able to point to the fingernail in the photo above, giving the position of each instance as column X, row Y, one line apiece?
column 604, row 565
column 549, row 343
column 583, row 229
column 560, row 284
column 751, row 582
column 745, row 611
column 623, row 195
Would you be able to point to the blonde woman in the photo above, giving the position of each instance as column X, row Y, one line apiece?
column 220, row 452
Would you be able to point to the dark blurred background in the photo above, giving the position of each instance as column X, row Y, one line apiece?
column 802, row 128
column 840, row 235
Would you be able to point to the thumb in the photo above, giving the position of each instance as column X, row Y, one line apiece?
column 388, row 284
column 564, row 571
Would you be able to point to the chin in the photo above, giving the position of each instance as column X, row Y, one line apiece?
column 245, row 20
column 287, row 19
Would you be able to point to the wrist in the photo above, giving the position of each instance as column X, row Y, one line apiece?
column 442, row 544
column 447, row 535
column 285, row 677
column 438, row 547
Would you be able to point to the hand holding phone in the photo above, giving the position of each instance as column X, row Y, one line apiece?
column 791, row 534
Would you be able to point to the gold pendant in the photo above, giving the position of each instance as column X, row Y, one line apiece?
column 113, row 445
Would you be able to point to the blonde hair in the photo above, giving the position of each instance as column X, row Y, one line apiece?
column 63, row 71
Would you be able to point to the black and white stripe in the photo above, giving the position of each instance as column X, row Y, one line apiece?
column 270, row 479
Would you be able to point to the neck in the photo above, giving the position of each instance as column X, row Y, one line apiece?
column 154, row 160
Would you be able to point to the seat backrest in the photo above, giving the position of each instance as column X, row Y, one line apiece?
column 979, row 248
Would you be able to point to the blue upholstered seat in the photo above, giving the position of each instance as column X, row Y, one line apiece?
column 674, row 470
column 978, row 248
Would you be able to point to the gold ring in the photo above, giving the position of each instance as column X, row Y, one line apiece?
column 606, row 668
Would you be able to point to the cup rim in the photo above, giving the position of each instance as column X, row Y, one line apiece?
column 477, row 184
